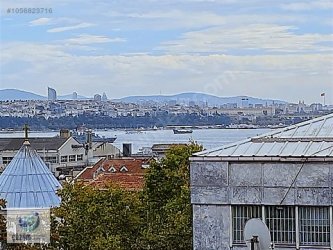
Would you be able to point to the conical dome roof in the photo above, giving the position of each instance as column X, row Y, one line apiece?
column 27, row 182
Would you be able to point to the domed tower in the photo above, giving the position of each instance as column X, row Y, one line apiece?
column 27, row 182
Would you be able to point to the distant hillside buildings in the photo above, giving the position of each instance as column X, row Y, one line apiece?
column 98, row 106
column 52, row 96
column 192, row 110
column 97, row 98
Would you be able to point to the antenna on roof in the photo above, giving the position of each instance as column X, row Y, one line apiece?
column 26, row 129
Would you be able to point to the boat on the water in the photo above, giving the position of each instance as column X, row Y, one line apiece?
column 133, row 132
column 82, row 137
column 182, row 131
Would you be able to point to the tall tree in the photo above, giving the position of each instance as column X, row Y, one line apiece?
column 166, row 197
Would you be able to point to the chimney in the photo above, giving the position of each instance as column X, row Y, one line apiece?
column 89, row 138
column 64, row 133
column 127, row 149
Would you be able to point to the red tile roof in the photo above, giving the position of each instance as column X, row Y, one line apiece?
column 123, row 180
column 127, row 173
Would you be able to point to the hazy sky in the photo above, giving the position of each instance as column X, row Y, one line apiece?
column 279, row 49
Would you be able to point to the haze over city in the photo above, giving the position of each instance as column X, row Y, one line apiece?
column 266, row 49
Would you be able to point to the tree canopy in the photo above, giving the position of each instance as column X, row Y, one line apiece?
column 157, row 217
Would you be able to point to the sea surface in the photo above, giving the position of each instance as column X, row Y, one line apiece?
column 209, row 138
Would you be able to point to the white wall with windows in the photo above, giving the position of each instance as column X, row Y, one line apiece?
column 69, row 154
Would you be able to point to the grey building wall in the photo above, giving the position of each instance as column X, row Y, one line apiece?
column 214, row 220
column 215, row 186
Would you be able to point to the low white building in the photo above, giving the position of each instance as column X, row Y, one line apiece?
column 63, row 155
column 105, row 149
column 54, row 151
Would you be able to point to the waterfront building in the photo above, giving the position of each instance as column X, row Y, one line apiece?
column 284, row 177
column 54, row 151
column 72, row 108
column 105, row 149
column 62, row 154
column 316, row 107
column 159, row 150
column 259, row 111
column 51, row 94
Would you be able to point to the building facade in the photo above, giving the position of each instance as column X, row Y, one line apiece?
column 284, row 177
column 51, row 94
column 54, row 151
column 63, row 155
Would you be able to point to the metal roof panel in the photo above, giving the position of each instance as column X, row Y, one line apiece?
column 27, row 181
column 304, row 139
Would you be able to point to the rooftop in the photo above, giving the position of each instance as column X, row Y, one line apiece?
column 27, row 182
column 313, row 138
column 127, row 173
column 38, row 143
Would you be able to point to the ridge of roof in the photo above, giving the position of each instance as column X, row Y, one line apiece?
column 280, row 136
column 37, row 143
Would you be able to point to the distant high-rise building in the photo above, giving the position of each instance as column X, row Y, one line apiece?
column 172, row 102
column 104, row 97
column 97, row 97
column 245, row 102
column 74, row 97
column 191, row 103
column 51, row 94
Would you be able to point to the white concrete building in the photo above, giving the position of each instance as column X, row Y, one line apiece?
column 54, row 151
column 63, row 155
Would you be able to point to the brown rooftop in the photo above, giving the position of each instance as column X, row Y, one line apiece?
column 126, row 173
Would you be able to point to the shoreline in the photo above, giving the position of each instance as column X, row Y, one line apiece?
column 232, row 126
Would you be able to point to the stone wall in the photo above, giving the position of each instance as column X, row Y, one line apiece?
column 217, row 185
column 214, row 221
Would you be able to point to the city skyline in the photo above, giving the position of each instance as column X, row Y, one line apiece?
column 277, row 50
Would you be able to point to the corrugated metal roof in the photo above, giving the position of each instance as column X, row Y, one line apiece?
column 27, row 182
column 310, row 138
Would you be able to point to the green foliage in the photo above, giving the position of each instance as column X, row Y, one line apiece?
column 94, row 219
column 167, row 200
column 159, row 217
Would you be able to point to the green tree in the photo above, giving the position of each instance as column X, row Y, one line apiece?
column 166, row 197
column 159, row 217
column 89, row 218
